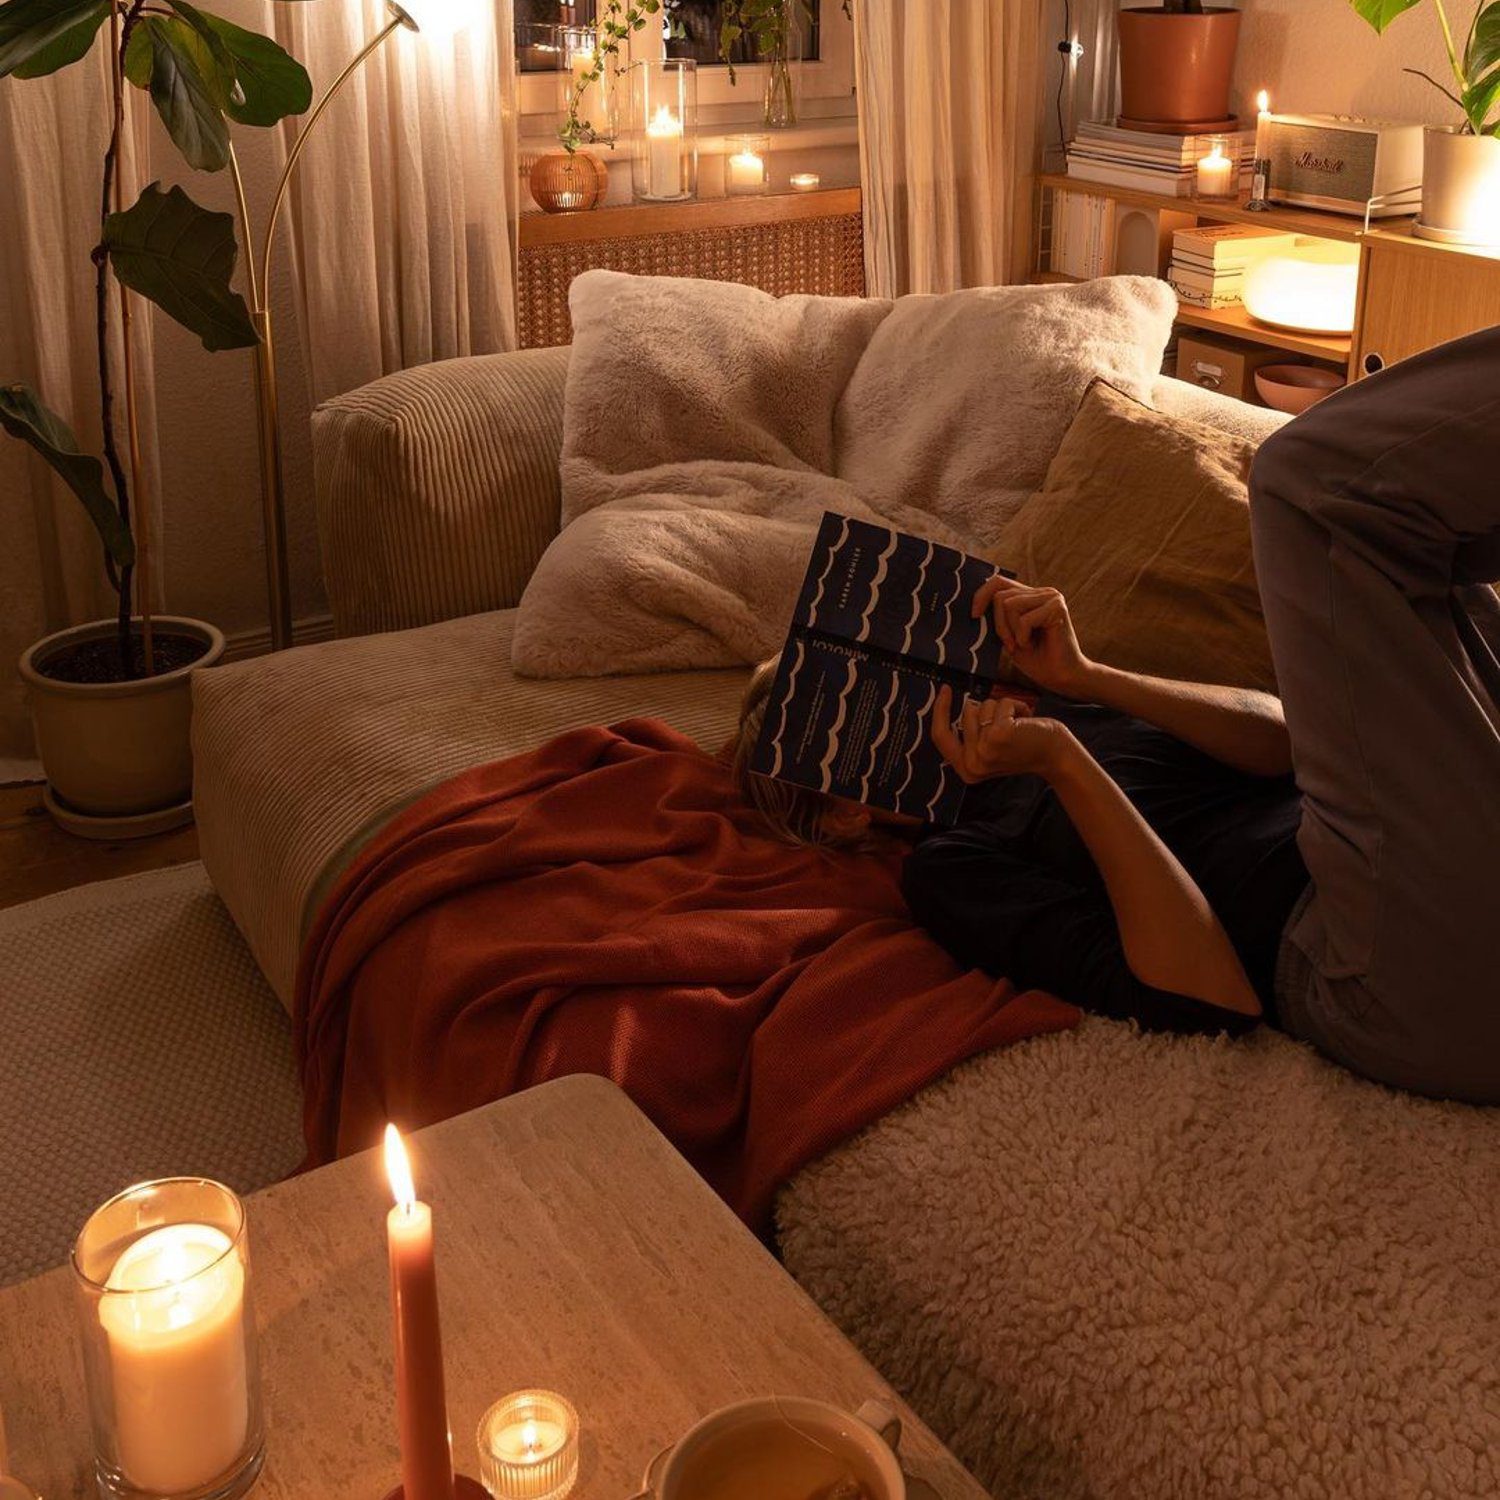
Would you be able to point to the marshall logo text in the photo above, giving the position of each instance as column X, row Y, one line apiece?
column 1333, row 165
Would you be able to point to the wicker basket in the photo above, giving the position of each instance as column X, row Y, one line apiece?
column 564, row 182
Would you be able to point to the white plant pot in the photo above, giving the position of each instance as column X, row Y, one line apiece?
column 116, row 751
column 1460, row 188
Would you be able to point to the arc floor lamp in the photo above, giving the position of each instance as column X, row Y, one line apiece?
column 258, row 284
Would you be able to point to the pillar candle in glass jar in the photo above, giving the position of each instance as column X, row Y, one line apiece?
column 664, row 137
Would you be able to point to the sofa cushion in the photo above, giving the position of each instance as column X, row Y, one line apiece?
column 1144, row 523
column 300, row 755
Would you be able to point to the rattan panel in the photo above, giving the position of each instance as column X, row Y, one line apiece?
column 824, row 256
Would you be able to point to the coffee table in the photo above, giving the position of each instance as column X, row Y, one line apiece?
column 576, row 1251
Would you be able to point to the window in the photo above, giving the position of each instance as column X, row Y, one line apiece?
column 699, row 21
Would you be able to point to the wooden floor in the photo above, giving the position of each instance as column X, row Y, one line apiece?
column 37, row 857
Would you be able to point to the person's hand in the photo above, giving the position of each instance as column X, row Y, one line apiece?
column 1036, row 630
column 998, row 737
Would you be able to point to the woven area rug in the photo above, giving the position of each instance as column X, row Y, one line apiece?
column 137, row 1039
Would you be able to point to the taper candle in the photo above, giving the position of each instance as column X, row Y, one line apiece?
column 421, row 1402
column 1262, row 126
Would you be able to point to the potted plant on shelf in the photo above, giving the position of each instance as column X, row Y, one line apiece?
column 1461, row 165
column 111, row 699
column 1177, row 66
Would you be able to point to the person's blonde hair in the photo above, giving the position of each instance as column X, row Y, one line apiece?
column 793, row 814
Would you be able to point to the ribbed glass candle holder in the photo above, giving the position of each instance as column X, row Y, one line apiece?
column 528, row 1447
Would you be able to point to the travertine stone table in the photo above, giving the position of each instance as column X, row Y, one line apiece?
column 576, row 1251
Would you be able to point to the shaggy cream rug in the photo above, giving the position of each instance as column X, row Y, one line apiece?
column 137, row 1039
column 1101, row 1264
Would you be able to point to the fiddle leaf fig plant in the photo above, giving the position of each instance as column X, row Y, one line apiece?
column 204, row 75
column 1475, row 64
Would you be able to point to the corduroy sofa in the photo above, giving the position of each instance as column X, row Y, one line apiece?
column 1099, row 1264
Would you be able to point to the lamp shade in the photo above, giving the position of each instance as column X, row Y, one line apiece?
column 1315, row 291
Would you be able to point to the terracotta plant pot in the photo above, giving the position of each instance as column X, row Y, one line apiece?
column 1460, row 188
column 1176, row 70
column 566, row 181
column 116, row 750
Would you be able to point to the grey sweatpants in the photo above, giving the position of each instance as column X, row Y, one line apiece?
column 1376, row 519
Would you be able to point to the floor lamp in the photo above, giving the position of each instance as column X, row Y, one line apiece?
column 272, row 489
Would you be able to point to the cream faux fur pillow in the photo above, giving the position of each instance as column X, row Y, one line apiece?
column 707, row 426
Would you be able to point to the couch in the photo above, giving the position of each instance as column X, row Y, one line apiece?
column 1097, row 1263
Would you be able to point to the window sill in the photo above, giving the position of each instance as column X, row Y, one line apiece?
column 809, row 134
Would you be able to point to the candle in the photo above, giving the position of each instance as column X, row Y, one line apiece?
column 580, row 65
column 747, row 172
column 528, row 1447
column 1216, row 175
column 173, row 1315
column 421, row 1404
column 805, row 182
column 664, row 163
column 1262, row 126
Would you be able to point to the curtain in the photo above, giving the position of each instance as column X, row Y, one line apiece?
column 396, row 247
column 950, row 102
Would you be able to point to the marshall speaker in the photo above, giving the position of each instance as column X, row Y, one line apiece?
column 1350, row 166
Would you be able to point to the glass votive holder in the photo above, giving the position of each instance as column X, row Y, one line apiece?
column 747, row 164
column 528, row 1447
column 664, row 160
column 1217, row 167
column 805, row 182
column 162, row 1273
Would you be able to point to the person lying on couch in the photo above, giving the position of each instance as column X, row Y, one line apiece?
column 1146, row 855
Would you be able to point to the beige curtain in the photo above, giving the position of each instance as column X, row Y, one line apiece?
column 396, row 248
column 950, row 101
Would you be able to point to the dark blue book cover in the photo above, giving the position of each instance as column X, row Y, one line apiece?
column 882, row 623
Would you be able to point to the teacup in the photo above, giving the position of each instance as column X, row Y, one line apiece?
column 785, row 1445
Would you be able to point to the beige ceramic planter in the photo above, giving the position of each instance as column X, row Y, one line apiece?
column 1460, row 188
column 116, row 750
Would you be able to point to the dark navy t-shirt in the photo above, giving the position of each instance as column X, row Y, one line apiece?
column 1013, row 889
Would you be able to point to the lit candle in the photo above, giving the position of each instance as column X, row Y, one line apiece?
column 1262, row 126
column 528, row 1447
column 664, row 162
column 173, row 1314
column 1216, row 175
column 747, row 172
column 580, row 65
column 421, row 1404
column 805, row 182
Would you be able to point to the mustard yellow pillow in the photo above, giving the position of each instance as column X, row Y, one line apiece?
column 1143, row 522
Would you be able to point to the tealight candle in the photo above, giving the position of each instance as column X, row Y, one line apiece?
column 528, row 1447
column 805, row 182
column 747, row 172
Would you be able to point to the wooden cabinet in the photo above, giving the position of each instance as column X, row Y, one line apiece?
column 1415, row 294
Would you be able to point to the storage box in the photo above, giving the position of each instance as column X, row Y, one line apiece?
column 1224, row 366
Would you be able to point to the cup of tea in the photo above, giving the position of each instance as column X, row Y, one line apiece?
column 786, row 1448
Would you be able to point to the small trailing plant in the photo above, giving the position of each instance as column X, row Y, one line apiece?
column 204, row 74
column 1475, row 65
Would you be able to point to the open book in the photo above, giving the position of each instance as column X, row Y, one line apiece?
column 882, row 622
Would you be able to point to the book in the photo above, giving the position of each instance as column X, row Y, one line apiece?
column 882, row 623
column 1224, row 245
column 1082, row 244
column 1207, row 281
column 1213, row 301
column 1141, row 178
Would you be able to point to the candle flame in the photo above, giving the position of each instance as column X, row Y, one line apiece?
column 529, row 1438
column 664, row 122
column 398, row 1168
column 1263, row 102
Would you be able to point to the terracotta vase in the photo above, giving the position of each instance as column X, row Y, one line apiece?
column 1176, row 70
column 566, row 181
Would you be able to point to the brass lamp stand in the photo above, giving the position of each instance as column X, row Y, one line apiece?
column 272, row 488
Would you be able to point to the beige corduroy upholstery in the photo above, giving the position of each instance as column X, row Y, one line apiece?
column 437, row 488
column 299, row 755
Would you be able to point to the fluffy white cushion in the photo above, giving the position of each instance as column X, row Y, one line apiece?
column 707, row 427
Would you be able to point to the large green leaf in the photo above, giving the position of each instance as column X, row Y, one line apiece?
column 189, row 88
column 1484, row 42
column 40, row 36
column 1380, row 13
column 1479, row 101
column 181, row 257
column 272, row 83
column 23, row 416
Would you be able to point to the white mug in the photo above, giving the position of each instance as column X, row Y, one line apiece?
column 870, row 1438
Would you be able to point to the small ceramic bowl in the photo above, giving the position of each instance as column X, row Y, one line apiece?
column 1293, row 388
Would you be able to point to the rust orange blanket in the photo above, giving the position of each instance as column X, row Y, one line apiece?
column 605, row 904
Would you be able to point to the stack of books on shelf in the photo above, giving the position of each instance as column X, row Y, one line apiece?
column 1083, row 228
column 1209, row 263
column 1147, row 162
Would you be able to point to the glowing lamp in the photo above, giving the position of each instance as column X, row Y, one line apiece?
column 1315, row 291
column 437, row 20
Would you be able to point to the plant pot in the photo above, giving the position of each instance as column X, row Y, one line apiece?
column 1460, row 188
column 116, row 750
column 565, row 182
column 1176, row 70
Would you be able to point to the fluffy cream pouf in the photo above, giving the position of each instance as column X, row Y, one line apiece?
column 1103, row 1264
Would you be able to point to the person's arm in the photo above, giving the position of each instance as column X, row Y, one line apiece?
column 1239, row 727
column 1171, row 938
